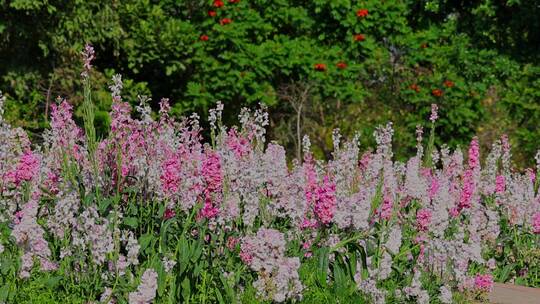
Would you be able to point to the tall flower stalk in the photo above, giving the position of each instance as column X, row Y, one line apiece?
column 88, row 55
column 431, row 144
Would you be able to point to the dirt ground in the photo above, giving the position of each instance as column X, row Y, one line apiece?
column 510, row 294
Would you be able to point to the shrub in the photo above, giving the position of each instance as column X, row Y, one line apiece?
column 246, row 52
column 152, row 213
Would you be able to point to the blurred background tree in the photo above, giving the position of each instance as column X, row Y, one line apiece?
column 351, row 64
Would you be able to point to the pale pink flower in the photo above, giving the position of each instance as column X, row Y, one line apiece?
column 146, row 292
column 232, row 242
column 386, row 208
column 536, row 223
column 88, row 55
column 237, row 143
column 434, row 114
column 434, row 187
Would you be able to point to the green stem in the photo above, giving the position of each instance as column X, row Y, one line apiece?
column 347, row 241
column 90, row 130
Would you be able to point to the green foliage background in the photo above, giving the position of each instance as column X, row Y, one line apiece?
column 487, row 48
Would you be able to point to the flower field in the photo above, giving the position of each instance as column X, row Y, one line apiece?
column 152, row 213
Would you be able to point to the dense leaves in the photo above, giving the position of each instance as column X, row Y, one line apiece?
column 383, row 60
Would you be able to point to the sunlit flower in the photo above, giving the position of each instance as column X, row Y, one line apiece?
column 341, row 65
column 362, row 13
column 218, row 3
column 483, row 282
column 359, row 37
column 437, row 92
column 320, row 67
column 225, row 21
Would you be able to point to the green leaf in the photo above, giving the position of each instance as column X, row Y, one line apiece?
column 505, row 272
column 163, row 232
column 5, row 265
column 186, row 289
column 219, row 296
column 103, row 205
column 323, row 266
column 52, row 282
column 162, row 276
column 89, row 199
column 131, row 222
column 145, row 240
column 4, row 292
column 228, row 290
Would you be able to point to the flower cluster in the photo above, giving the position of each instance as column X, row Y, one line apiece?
column 26, row 170
column 536, row 223
column 146, row 292
column 29, row 236
column 88, row 55
column 483, row 282
column 320, row 67
column 362, row 13
column 278, row 275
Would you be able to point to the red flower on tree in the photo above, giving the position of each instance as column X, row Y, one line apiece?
column 359, row 37
column 415, row 87
column 225, row 21
column 204, row 38
column 212, row 13
column 234, row 1
column 341, row 65
column 437, row 92
column 424, row 45
column 321, row 67
column 448, row 83
column 363, row 12
column 218, row 3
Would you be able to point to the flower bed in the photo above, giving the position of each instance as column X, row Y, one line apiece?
column 151, row 213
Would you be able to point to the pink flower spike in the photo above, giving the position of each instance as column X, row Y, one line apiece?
column 483, row 282
column 170, row 177
column 326, row 201
column 500, row 184
column 474, row 154
column 468, row 190
column 536, row 223
column 423, row 219
column 26, row 170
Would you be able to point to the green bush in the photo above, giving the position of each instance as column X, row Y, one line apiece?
column 269, row 53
